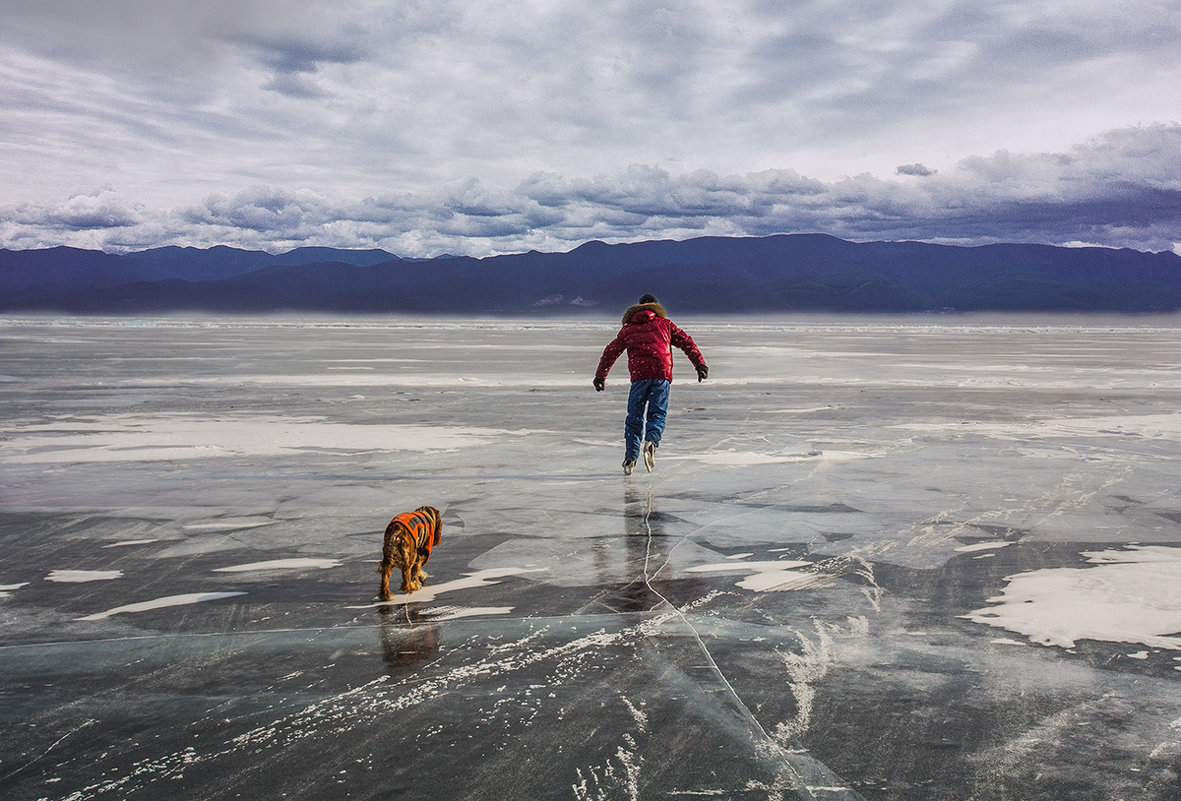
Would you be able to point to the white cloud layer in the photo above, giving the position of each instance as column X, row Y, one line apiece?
column 480, row 127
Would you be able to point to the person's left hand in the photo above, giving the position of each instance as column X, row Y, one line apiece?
column 599, row 384
column 702, row 373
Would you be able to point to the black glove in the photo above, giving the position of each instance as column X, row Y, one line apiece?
column 599, row 384
column 702, row 373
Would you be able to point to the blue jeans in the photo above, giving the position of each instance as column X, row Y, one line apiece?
column 653, row 393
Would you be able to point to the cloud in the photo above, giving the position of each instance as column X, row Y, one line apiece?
column 1121, row 189
column 920, row 170
column 103, row 209
column 480, row 126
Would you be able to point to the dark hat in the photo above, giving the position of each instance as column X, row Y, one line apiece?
column 648, row 299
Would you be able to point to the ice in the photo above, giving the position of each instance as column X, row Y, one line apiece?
column 921, row 559
column 82, row 576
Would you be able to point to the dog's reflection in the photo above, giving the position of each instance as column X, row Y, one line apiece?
column 406, row 641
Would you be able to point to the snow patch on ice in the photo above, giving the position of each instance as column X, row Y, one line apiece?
column 1146, row 426
column 475, row 611
column 482, row 578
column 753, row 458
column 124, row 437
column 767, row 576
column 125, row 543
column 981, row 546
column 773, row 565
column 83, row 576
column 161, row 603
column 1131, row 595
column 227, row 525
column 280, row 564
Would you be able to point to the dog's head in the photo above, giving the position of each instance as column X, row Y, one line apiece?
column 436, row 519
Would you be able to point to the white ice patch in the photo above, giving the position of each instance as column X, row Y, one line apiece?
column 768, row 576
column 754, row 458
column 227, row 525
column 83, row 576
column 476, row 611
column 731, row 458
column 125, row 543
column 280, row 564
column 370, row 379
column 1146, row 426
column 161, row 603
column 981, row 546
column 123, row 437
column 1131, row 596
column 483, row 578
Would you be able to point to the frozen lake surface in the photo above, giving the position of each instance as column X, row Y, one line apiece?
column 913, row 559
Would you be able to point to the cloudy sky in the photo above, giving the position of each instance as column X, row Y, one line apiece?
column 481, row 126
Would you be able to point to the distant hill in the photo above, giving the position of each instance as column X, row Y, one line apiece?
column 784, row 273
column 37, row 275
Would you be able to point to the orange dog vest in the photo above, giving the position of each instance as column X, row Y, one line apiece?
column 422, row 527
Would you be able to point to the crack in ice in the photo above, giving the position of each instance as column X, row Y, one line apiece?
column 805, row 774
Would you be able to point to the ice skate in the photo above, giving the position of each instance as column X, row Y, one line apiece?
column 649, row 455
column 628, row 466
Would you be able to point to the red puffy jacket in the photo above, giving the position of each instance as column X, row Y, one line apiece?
column 648, row 336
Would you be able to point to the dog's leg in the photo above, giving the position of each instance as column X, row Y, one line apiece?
column 419, row 573
column 387, row 564
column 407, row 559
column 408, row 584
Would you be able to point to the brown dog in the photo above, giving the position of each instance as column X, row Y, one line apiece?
column 408, row 541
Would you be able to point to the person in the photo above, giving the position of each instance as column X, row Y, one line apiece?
column 648, row 336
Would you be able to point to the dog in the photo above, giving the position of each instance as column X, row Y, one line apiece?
column 408, row 541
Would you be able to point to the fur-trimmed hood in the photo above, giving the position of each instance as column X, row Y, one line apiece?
column 655, row 308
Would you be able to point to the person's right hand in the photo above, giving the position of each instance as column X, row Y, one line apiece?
column 599, row 384
column 702, row 373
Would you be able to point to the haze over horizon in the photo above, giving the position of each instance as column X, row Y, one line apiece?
column 479, row 128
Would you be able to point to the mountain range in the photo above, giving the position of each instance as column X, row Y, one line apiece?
column 782, row 273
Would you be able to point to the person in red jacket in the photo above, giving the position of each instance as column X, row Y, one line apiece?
column 647, row 336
